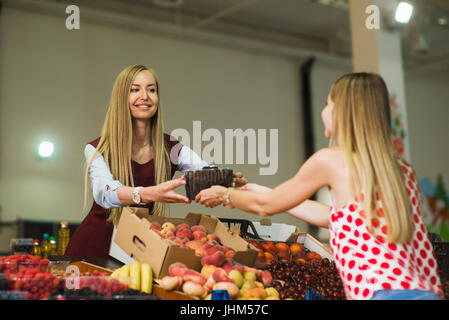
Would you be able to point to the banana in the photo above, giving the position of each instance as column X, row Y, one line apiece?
column 147, row 278
column 124, row 274
column 116, row 273
column 134, row 271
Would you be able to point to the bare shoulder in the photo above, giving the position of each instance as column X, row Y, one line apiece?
column 331, row 156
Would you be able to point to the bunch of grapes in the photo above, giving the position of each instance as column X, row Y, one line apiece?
column 293, row 279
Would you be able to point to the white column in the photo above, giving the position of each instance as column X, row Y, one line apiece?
column 378, row 50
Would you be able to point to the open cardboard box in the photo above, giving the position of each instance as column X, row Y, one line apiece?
column 270, row 231
column 309, row 243
column 141, row 243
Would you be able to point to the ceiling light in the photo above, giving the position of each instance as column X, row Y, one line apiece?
column 404, row 12
column 46, row 149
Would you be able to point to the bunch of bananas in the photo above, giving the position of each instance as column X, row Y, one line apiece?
column 138, row 276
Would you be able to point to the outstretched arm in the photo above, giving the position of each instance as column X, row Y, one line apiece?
column 309, row 211
column 313, row 175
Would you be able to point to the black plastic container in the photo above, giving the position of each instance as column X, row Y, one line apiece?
column 197, row 180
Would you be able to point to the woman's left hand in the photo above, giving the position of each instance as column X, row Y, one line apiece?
column 211, row 197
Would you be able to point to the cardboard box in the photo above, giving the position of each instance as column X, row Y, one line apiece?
column 134, row 236
column 274, row 231
column 309, row 243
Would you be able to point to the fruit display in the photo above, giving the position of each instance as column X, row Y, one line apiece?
column 268, row 251
column 15, row 263
column 293, row 279
column 33, row 278
column 138, row 276
column 206, row 245
column 99, row 289
column 241, row 282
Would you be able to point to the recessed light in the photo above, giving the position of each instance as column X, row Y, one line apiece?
column 404, row 12
column 46, row 149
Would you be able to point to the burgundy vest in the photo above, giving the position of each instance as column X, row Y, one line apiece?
column 93, row 237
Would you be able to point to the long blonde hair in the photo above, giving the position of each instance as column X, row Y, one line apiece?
column 363, row 131
column 116, row 139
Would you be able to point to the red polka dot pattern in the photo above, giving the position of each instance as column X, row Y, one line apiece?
column 367, row 263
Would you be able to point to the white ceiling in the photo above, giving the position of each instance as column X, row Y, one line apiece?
column 320, row 26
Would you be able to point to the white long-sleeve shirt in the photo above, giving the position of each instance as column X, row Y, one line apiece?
column 104, row 187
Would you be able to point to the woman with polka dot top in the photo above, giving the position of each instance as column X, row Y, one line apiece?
column 379, row 241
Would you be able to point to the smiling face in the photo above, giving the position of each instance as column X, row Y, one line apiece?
column 143, row 98
column 327, row 117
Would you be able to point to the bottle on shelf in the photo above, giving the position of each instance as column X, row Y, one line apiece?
column 45, row 246
column 53, row 248
column 36, row 250
column 64, row 238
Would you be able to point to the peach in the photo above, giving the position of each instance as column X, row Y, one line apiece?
column 260, row 256
column 167, row 233
column 170, row 283
column 312, row 255
column 217, row 259
column 192, row 275
column 182, row 226
column 227, row 266
column 212, row 236
column 155, row 226
column 282, row 246
column 208, row 251
column 210, row 282
column 198, row 235
column 230, row 254
column 198, row 228
column 207, row 270
column 256, row 244
column 169, row 225
column 177, row 269
column 238, row 267
column 258, row 293
column 267, row 278
column 268, row 257
column 185, row 233
column 230, row 287
column 210, row 244
column 193, row 289
column 220, row 275
column 194, row 244
column 172, row 238
column 269, row 247
column 283, row 255
column 297, row 250
column 247, row 268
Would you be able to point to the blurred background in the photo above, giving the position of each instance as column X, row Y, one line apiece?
column 259, row 64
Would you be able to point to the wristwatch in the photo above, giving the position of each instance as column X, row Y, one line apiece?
column 226, row 198
column 136, row 196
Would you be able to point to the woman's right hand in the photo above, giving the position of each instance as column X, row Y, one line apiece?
column 164, row 192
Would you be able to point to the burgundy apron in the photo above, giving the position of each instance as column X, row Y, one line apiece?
column 93, row 237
